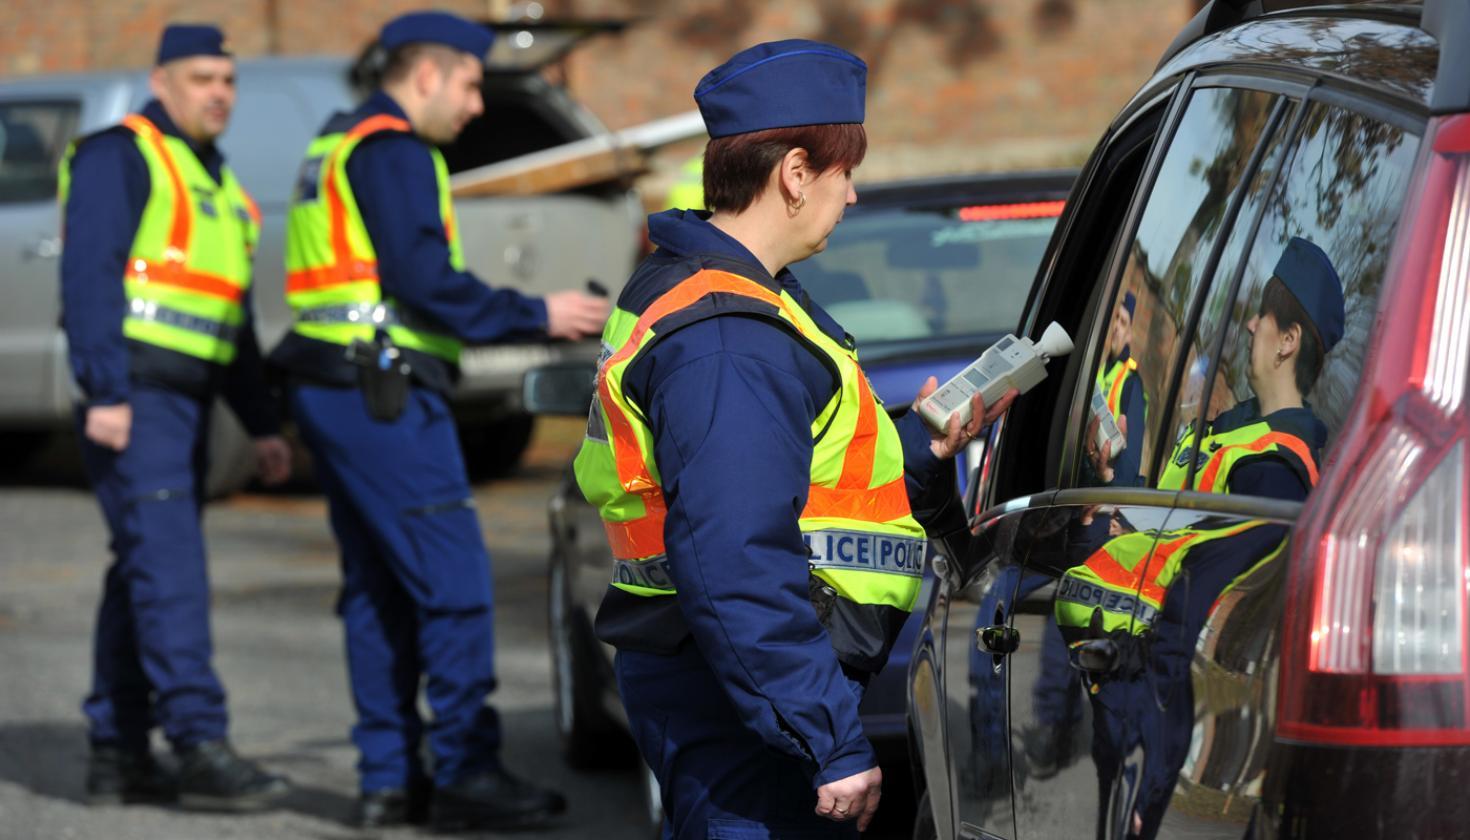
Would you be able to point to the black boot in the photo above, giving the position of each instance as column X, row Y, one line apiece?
column 213, row 778
column 116, row 776
column 395, row 806
column 493, row 799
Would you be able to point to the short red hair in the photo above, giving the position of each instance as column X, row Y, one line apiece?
column 736, row 168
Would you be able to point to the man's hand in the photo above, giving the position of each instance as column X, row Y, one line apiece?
column 110, row 425
column 272, row 459
column 853, row 798
column 957, row 436
column 575, row 315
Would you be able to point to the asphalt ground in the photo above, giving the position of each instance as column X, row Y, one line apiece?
column 278, row 649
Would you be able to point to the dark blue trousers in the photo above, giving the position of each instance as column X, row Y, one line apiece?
column 718, row 778
column 416, row 596
column 152, row 649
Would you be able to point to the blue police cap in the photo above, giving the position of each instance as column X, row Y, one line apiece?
column 437, row 28
column 1309, row 275
column 182, row 40
column 782, row 84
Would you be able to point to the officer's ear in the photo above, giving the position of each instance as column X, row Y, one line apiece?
column 1291, row 341
column 794, row 174
column 158, row 82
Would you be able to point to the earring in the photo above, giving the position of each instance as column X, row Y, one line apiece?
column 800, row 201
column 1280, row 357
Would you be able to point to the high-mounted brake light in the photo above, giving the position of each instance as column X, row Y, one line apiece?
column 1007, row 212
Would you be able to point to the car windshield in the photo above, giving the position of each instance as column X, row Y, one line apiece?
column 902, row 273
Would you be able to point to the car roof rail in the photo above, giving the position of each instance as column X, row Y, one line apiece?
column 1449, row 22
column 1223, row 14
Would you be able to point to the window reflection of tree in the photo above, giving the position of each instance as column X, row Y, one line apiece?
column 1167, row 257
column 1343, row 190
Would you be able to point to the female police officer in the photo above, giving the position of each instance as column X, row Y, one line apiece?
column 756, row 496
column 1267, row 445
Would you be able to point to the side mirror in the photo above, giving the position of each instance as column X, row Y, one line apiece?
column 559, row 389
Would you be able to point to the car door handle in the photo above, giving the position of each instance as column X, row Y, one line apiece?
column 997, row 639
column 42, row 248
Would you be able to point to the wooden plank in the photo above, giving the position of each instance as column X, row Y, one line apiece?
column 594, row 160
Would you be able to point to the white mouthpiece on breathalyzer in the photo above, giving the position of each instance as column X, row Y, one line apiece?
column 1009, row 363
column 1054, row 342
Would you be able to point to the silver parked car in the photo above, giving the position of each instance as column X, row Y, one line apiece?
column 517, row 241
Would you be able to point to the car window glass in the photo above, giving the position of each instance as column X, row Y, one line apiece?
column 33, row 138
column 1164, row 270
column 901, row 273
column 509, row 128
column 1342, row 192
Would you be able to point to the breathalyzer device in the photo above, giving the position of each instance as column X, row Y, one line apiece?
column 1009, row 363
column 1108, row 433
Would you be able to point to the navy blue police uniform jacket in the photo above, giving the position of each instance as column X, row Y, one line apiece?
column 392, row 178
column 110, row 187
column 731, row 401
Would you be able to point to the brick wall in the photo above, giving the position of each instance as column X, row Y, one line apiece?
column 955, row 85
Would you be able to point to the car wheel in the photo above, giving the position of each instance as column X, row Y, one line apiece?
column 924, row 828
column 589, row 738
column 494, row 450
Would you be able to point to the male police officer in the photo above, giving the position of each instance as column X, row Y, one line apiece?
column 376, row 279
column 157, row 311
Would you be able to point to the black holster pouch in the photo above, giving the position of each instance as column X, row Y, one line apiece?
column 382, row 376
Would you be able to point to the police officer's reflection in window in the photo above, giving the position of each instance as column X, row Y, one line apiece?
column 1121, row 386
column 1152, row 592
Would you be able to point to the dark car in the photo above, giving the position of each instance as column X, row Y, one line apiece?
column 1241, row 665
column 926, row 275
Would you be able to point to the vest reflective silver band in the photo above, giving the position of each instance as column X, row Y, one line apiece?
column 649, row 573
column 1087, row 594
column 150, row 310
column 865, row 551
column 380, row 314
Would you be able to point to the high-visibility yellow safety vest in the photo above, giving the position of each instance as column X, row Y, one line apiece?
column 1127, row 578
column 862, row 540
column 1220, row 453
column 331, row 267
column 1111, row 382
column 189, row 265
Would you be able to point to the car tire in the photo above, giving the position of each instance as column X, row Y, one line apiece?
column 590, row 739
column 494, row 450
column 924, row 828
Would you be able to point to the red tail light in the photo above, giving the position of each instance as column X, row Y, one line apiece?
column 1374, row 649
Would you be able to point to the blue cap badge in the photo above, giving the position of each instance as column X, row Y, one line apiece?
column 781, row 84
column 437, row 28
column 1309, row 275
column 182, row 40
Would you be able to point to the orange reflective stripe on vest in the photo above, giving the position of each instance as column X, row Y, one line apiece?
column 1115, row 394
column 1143, row 577
column 644, row 537
column 852, row 498
column 172, row 272
column 178, row 237
column 1295, row 444
column 344, row 268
